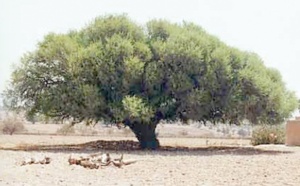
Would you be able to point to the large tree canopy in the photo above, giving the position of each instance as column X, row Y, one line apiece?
column 116, row 70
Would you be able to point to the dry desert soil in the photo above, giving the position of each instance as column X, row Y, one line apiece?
column 182, row 161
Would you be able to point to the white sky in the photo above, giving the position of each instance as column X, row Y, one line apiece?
column 270, row 28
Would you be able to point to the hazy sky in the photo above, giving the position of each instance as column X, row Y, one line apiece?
column 270, row 28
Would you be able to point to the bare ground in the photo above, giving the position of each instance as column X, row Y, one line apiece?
column 181, row 161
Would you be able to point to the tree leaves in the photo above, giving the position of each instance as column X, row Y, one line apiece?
column 114, row 69
column 135, row 108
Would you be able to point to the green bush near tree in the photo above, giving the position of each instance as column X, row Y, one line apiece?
column 268, row 134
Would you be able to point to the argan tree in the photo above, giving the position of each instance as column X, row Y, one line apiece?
column 118, row 71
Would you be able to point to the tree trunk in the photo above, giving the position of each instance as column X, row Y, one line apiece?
column 145, row 133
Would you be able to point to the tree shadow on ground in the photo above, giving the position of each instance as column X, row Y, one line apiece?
column 132, row 147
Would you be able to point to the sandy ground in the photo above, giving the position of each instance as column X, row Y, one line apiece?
column 238, row 164
column 274, row 165
column 7, row 141
column 158, row 168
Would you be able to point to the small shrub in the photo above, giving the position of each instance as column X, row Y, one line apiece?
column 66, row 129
column 268, row 134
column 11, row 125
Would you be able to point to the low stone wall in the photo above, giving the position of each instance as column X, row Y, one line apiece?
column 293, row 132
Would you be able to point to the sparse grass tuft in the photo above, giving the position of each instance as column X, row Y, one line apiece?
column 268, row 134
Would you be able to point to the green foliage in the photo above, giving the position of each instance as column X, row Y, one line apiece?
column 268, row 134
column 114, row 69
column 134, row 107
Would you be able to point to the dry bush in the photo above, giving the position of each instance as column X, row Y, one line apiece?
column 66, row 129
column 268, row 134
column 11, row 125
